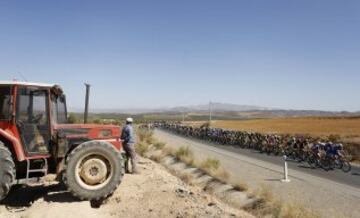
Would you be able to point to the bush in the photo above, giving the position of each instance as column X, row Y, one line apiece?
column 72, row 119
column 296, row 211
column 240, row 186
column 185, row 154
column 210, row 164
column 141, row 148
column 221, row 174
column 150, row 140
column 159, row 145
column 144, row 135
column 353, row 149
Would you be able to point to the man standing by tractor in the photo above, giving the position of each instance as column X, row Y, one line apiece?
column 128, row 138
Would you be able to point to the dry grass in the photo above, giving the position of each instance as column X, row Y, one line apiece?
column 221, row 174
column 240, row 186
column 269, row 205
column 212, row 167
column 157, row 156
column 150, row 140
column 141, row 148
column 146, row 140
column 168, row 151
column 210, row 164
column 145, row 135
column 186, row 155
column 265, row 193
column 296, row 211
column 159, row 145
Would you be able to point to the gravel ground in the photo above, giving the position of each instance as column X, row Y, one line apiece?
column 331, row 199
column 153, row 193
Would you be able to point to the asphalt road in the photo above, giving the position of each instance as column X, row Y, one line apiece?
column 332, row 193
column 351, row 178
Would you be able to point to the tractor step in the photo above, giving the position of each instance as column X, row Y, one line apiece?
column 30, row 170
column 29, row 181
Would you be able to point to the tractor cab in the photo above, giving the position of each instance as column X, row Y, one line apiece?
column 31, row 111
column 33, row 120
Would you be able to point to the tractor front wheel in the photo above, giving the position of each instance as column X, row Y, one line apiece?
column 7, row 171
column 93, row 170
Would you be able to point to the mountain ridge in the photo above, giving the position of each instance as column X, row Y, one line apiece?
column 217, row 107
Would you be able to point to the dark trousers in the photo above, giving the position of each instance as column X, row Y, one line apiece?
column 131, row 156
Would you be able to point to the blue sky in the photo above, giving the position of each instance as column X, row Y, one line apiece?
column 285, row 54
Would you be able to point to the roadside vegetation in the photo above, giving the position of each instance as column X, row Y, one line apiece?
column 270, row 205
column 266, row 205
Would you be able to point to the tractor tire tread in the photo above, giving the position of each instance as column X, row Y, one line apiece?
column 7, row 171
column 91, row 145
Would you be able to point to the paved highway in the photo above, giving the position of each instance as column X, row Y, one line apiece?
column 333, row 193
column 351, row 178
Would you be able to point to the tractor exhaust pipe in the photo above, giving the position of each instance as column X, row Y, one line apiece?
column 86, row 102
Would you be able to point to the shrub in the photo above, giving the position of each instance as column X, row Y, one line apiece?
column 296, row 211
column 159, row 145
column 185, row 154
column 241, row 186
column 150, row 140
column 141, row 148
column 221, row 174
column 73, row 119
column 144, row 135
column 210, row 164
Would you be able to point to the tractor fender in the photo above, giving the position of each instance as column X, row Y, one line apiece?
column 15, row 143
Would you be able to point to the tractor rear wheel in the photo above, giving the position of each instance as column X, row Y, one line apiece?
column 93, row 170
column 7, row 171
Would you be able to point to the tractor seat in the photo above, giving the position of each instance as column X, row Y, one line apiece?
column 34, row 140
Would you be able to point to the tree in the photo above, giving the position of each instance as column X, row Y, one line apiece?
column 72, row 118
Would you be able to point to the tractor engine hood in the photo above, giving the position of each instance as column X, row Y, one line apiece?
column 78, row 133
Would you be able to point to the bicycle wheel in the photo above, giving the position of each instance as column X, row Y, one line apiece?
column 312, row 162
column 346, row 166
column 325, row 164
column 338, row 164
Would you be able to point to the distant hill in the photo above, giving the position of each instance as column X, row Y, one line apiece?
column 220, row 111
column 218, row 107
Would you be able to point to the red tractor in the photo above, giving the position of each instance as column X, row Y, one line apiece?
column 36, row 140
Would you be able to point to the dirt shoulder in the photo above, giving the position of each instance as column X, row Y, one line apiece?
column 153, row 193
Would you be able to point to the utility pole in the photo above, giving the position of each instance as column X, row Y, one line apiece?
column 210, row 112
column 86, row 102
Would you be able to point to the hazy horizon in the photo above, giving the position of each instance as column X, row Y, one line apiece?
column 169, row 107
column 153, row 54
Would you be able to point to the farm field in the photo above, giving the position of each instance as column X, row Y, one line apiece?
column 347, row 128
